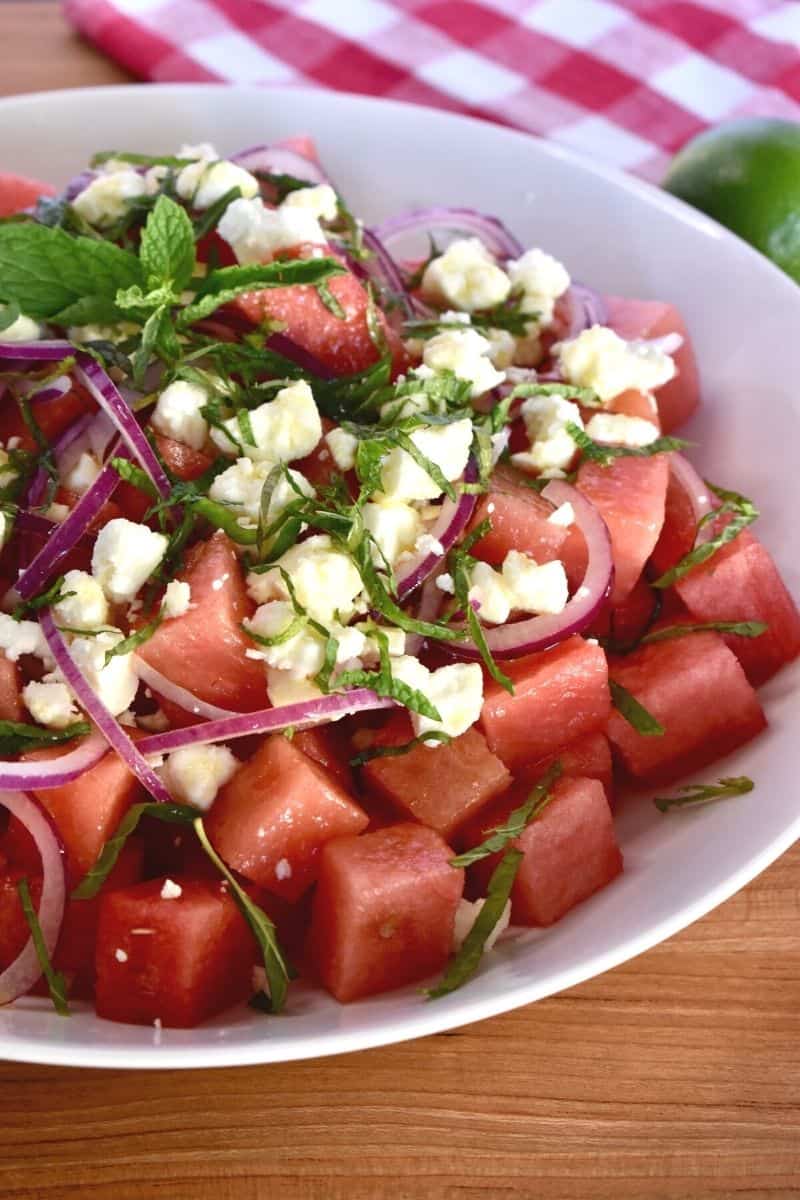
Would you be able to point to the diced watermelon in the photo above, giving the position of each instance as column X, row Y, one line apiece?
column 629, row 621
column 570, row 852
column 327, row 746
column 14, row 931
column 11, row 706
column 195, row 960
column 204, row 650
column 630, row 496
column 384, row 910
column 18, row 192
column 677, row 399
column 85, row 812
column 272, row 819
column 519, row 519
column 52, row 416
column 588, row 756
column 559, row 695
column 182, row 460
column 741, row 583
column 679, row 530
column 695, row 687
column 441, row 786
column 343, row 344
column 634, row 404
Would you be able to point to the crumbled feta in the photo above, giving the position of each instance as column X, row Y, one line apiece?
column 535, row 588
column 115, row 684
column 619, row 429
column 285, row 428
column 241, row 486
column 467, row 914
column 445, row 583
column 303, row 654
column 395, row 526
column 57, row 512
column 447, row 446
column 102, row 333
column 255, row 233
column 156, row 722
column 198, row 150
column 489, row 592
column 427, row 544
column 87, row 608
column 319, row 200
column 600, row 359
column 343, row 447
column 125, row 555
column 563, row 515
column 395, row 641
column 22, row 637
column 50, row 704
column 107, row 197
column 82, row 474
column 171, row 890
column 456, row 691
column 502, row 347
column 539, row 279
column 24, row 329
column 194, row 774
column 466, row 277
column 546, row 419
column 465, row 352
column 177, row 598
column 203, row 183
column 177, row 413
column 283, row 689
column 120, row 956
column 325, row 580
column 283, row 869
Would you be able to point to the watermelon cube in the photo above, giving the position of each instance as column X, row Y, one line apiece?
column 440, row 786
column 327, row 746
column 588, row 756
column 11, row 706
column 519, row 520
column 559, row 696
column 178, row 960
column 204, row 650
column 677, row 399
column 570, row 851
column 696, row 689
column 384, row 910
column 14, row 931
column 272, row 819
column 630, row 496
column 741, row 583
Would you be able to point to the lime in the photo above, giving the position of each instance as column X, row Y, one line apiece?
column 746, row 174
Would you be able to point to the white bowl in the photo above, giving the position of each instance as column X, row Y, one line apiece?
column 623, row 236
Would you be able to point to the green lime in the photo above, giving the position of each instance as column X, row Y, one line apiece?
column 746, row 174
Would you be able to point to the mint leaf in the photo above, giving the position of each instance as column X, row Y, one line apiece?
column 742, row 513
column 46, row 272
column 93, row 880
column 634, row 713
column 8, row 315
column 16, row 737
column 605, row 453
column 515, row 823
column 167, row 246
column 56, row 983
column 745, row 629
column 692, row 794
column 227, row 283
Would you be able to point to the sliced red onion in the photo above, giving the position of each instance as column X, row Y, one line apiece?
column 430, row 601
column 102, row 388
column 180, row 696
column 25, row 970
column 56, row 389
column 77, row 184
column 542, row 632
column 94, row 708
column 454, row 516
column 280, row 160
column 48, row 350
column 384, row 271
column 498, row 240
column 700, row 497
column 586, row 308
column 267, row 720
column 53, row 772
column 298, row 354
column 38, row 485
column 64, row 536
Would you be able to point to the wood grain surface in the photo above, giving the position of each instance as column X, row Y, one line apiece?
column 675, row 1076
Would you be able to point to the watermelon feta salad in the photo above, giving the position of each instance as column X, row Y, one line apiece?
column 344, row 587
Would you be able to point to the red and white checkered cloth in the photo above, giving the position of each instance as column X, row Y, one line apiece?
column 628, row 82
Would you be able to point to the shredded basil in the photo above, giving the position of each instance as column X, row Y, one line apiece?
column 56, row 984
column 173, row 814
column 742, row 512
column 634, row 713
column 516, row 822
column 693, row 794
column 745, row 629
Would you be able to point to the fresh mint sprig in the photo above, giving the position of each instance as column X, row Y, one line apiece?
column 692, row 795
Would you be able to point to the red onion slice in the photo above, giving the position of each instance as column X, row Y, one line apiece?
column 280, row 160
column 698, row 493
column 454, row 516
column 384, row 271
column 542, row 632
column 67, row 534
column 586, row 308
column 56, row 389
column 430, row 601
column 24, row 971
column 48, row 350
column 38, row 485
column 108, row 725
column 108, row 397
column 298, row 354
column 268, row 720
column 53, row 772
column 498, row 240
column 180, row 696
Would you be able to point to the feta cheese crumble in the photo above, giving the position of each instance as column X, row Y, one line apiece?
column 194, row 774
column 116, row 683
column 619, row 429
column 319, row 200
column 521, row 584
column 205, row 182
column 125, row 555
column 177, row 413
column 539, row 279
column 600, row 359
column 325, row 580
column 447, row 446
column 465, row 277
column 50, row 704
column 171, row 890
column 241, row 485
column 303, row 654
column 466, row 353
column 546, row 419
column 256, row 233
column 22, row 637
column 82, row 474
column 87, row 608
column 456, row 691
column 285, row 428
column 23, row 329
column 108, row 196
column 394, row 525
column 343, row 447
column 177, row 598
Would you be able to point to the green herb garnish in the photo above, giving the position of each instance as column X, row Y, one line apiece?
column 16, row 737
column 605, row 455
column 56, row 984
column 634, row 713
column 745, row 629
column 704, row 793
column 742, row 513
column 516, row 822
column 173, row 814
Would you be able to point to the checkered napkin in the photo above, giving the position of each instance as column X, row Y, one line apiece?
column 627, row 82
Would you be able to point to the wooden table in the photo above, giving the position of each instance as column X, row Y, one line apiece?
column 675, row 1076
